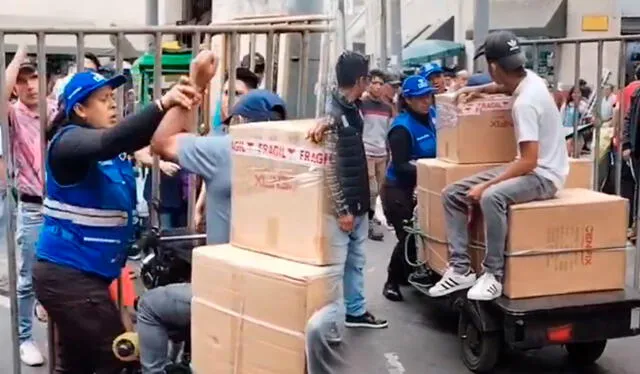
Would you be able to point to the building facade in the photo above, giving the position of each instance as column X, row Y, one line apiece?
column 529, row 19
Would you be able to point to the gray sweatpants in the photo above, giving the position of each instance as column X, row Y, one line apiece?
column 494, row 203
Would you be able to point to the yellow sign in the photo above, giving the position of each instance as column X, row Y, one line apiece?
column 595, row 23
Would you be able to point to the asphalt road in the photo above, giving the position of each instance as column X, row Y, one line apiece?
column 420, row 339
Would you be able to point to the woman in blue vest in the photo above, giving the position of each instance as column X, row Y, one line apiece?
column 412, row 136
column 88, row 215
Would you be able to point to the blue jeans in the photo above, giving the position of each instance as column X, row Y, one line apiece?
column 29, row 222
column 348, row 249
column 163, row 312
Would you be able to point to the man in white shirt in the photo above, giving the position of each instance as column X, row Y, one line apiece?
column 537, row 173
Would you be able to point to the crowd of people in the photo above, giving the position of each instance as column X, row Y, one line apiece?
column 72, row 242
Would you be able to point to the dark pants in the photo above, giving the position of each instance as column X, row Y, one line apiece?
column 86, row 318
column 627, row 182
column 398, row 205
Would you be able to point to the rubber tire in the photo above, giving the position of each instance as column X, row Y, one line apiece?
column 489, row 350
column 585, row 354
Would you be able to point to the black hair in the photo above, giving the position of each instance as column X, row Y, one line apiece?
column 637, row 72
column 351, row 66
column 259, row 66
column 379, row 74
column 93, row 59
column 581, row 89
column 245, row 75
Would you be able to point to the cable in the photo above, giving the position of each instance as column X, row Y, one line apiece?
column 419, row 239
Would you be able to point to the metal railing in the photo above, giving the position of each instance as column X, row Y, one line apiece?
column 302, row 28
column 620, row 43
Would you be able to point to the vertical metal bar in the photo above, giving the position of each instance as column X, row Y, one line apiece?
column 44, row 121
column 536, row 58
column 191, row 186
column 233, row 62
column 576, row 117
column 323, row 75
column 10, row 207
column 598, row 117
column 80, row 53
column 556, row 65
column 383, row 34
column 269, row 68
column 155, row 170
column 303, row 79
column 119, row 112
column 620, row 117
column 252, row 52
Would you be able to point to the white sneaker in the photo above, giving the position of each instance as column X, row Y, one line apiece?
column 487, row 288
column 452, row 282
column 30, row 354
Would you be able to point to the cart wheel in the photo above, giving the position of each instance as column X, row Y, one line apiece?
column 480, row 350
column 584, row 354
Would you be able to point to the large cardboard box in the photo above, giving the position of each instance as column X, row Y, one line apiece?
column 250, row 310
column 480, row 131
column 572, row 243
column 580, row 173
column 278, row 196
column 433, row 176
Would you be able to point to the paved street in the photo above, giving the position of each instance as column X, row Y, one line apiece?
column 420, row 339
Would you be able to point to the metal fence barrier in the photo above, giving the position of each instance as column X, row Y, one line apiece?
column 302, row 28
column 618, row 119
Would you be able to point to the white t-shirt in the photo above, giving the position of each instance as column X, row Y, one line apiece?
column 536, row 119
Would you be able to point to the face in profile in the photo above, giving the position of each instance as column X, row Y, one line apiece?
column 240, row 89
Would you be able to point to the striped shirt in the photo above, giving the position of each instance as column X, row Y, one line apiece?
column 26, row 147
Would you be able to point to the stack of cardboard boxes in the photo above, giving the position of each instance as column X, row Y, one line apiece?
column 253, row 297
column 572, row 243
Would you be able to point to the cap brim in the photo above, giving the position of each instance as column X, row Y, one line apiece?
column 479, row 52
column 423, row 92
column 116, row 81
column 512, row 62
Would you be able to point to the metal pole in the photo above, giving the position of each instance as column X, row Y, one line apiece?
column 395, row 39
column 598, row 119
column 233, row 62
column 10, row 207
column 383, row 35
column 620, row 117
column 80, row 52
column 119, row 113
column 191, row 186
column 342, row 40
column 480, row 30
column 151, row 16
column 576, row 106
column 303, row 82
column 155, row 170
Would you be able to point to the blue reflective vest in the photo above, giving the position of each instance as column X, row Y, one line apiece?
column 88, row 226
column 423, row 139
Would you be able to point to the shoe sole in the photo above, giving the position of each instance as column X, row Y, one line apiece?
column 452, row 290
column 482, row 299
column 366, row 325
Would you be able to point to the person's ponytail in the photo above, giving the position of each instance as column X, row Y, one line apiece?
column 59, row 121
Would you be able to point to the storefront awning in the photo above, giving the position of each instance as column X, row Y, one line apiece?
column 528, row 18
column 424, row 51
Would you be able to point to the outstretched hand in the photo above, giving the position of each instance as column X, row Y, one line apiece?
column 203, row 69
column 183, row 94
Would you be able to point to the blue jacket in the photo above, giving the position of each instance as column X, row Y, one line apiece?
column 423, row 139
column 88, row 226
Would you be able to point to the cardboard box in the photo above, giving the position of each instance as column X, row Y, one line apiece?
column 564, row 272
column 433, row 176
column 250, row 310
column 278, row 196
column 480, row 131
column 580, row 173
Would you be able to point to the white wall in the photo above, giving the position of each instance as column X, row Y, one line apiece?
column 57, row 13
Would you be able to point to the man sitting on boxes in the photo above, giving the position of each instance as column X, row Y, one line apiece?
column 537, row 173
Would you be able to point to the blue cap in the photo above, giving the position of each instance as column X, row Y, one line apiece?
column 416, row 86
column 258, row 105
column 479, row 79
column 427, row 70
column 82, row 85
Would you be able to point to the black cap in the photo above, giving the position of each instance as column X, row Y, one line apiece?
column 28, row 67
column 503, row 48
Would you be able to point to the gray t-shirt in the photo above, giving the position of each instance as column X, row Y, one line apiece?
column 210, row 157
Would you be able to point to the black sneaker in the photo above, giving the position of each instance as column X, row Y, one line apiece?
column 392, row 292
column 367, row 320
column 422, row 279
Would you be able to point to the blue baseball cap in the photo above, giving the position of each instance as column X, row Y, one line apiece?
column 259, row 105
column 417, row 86
column 427, row 70
column 82, row 85
column 479, row 79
